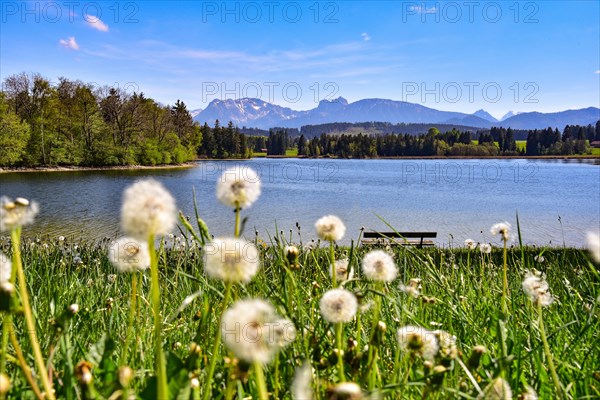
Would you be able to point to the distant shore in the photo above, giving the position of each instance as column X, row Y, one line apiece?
column 191, row 164
column 7, row 170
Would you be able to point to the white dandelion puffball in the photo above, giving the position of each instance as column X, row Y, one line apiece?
column 16, row 213
column 593, row 245
column 501, row 228
column 338, row 305
column 238, row 187
column 378, row 265
column 5, row 268
column 302, row 383
column 446, row 343
column 470, row 244
column 254, row 332
column 485, row 248
column 413, row 288
column 529, row 394
column 341, row 271
column 330, row 228
column 498, row 389
column 536, row 288
column 346, row 391
column 418, row 340
column 231, row 260
column 129, row 255
column 148, row 209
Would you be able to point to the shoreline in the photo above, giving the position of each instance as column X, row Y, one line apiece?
column 7, row 170
column 191, row 164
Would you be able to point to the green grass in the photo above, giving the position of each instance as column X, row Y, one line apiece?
column 463, row 289
column 521, row 144
column 596, row 151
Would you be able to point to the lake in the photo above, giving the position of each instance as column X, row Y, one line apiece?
column 557, row 200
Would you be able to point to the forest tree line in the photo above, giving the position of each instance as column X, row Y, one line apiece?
column 78, row 124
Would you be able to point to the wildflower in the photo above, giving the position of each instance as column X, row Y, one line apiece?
column 485, row 248
column 61, row 238
column 148, row 209
column 418, row 340
column 413, row 288
column 470, row 244
column 19, row 212
column 5, row 268
column 593, row 245
column 501, row 228
column 129, row 255
column 539, row 258
column 536, row 288
column 254, row 332
column 345, row 391
column 231, row 260
column 338, row 305
column 112, row 278
column 498, row 389
column 378, row 265
column 73, row 308
column 238, row 187
column 301, row 386
column 341, row 270
column 330, row 228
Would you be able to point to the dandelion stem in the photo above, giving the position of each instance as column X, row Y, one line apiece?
column 333, row 271
column 217, row 343
column 260, row 382
column 557, row 385
column 236, row 232
column 340, row 356
column 132, row 319
column 37, row 353
column 6, row 325
column 504, row 283
column 24, row 365
column 161, row 368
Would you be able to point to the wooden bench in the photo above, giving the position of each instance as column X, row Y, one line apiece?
column 398, row 238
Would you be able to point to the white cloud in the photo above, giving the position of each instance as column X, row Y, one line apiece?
column 95, row 22
column 597, row 71
column 423, row 10
column 365, row 36
column 69, row 43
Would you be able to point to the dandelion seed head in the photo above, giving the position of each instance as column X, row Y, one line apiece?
column 338, row 305
column 128, row 255
column 231, row 260
column 5, row 268
column 4, row 384
column 378, row 265
column 19, row 212
column 421, row 341
column 536, row 288
column 501, row 228
column 238, row 187
column 485, row 248
column 148, row 209
column 302, row 383
column 593, row 245
column 470, row 244
column 498, row 389
column 529, row 394
column 330, row 228
column 341, row 270
column 345, row 391
column 413, row 288
column 539, row 259
column 447, row 344
column 254, row 332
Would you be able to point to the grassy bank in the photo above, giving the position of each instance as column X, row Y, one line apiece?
column 460, row 294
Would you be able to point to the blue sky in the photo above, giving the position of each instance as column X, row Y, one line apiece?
column 462, row 56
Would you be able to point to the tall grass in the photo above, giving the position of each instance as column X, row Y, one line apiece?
column 454, row 297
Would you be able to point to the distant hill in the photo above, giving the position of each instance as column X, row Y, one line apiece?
column 256, row 113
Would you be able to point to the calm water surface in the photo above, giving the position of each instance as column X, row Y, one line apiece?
column 556, row 200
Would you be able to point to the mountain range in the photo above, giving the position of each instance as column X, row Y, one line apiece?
column 256, row 113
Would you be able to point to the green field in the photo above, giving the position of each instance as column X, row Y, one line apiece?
column 460, row 294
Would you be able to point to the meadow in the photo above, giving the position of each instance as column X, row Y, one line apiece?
column 432, row 323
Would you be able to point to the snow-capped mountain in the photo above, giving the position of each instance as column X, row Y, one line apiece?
column 195, row 112
column 258, row 113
